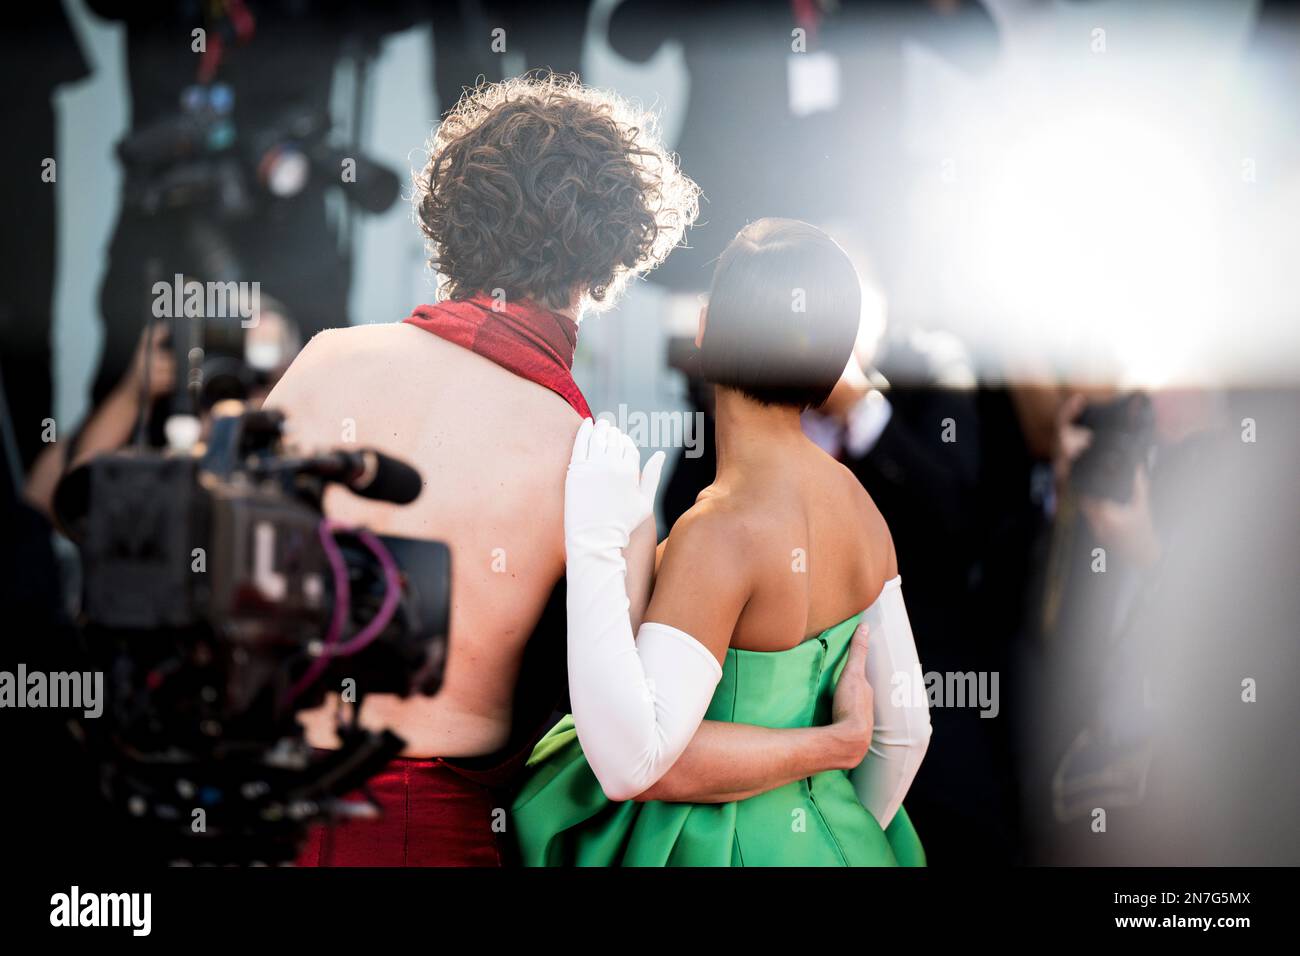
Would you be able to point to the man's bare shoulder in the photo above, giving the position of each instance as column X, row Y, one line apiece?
column 332, row 351
column 331, row 344
column 398, row 379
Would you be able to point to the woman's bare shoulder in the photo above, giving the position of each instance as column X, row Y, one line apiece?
column 717, row 521
column 705, row 575
column 868, row 522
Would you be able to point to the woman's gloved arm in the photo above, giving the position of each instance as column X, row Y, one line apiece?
column 636, row 702
column 901, row 711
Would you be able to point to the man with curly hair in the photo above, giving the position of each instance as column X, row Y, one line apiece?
column 541, row 198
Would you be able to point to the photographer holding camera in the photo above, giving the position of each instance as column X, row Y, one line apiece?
column 231, row 157
column 1134, row 640
column 150, row 376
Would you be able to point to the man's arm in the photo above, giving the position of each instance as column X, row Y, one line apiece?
column 727, row 762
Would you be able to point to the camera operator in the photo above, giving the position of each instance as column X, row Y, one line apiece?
column 269, row 345
column 1190, row 679
column 550, row 38
column 150, row 376
column 218, row 98
column 1124, row 526
column 1160, row 596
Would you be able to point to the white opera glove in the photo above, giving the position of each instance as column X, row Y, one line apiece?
column 606, row 495
column 901, row 711
column 637, row 702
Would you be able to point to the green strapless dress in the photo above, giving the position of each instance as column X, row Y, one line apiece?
column 561, row 817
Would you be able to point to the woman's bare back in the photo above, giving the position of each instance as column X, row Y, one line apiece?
column 800, row 532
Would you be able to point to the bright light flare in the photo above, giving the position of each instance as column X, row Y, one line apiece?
column 1098, row 241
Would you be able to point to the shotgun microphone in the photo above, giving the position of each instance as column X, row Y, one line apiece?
column 369, row 474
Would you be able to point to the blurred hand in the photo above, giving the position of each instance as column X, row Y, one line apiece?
column 153, row 354
column 852, row 710
column 1069, row 440
column 1125, row 527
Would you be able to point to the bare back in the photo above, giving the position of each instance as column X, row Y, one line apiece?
column 794, row 546
column 492, row 449
column 825, row 554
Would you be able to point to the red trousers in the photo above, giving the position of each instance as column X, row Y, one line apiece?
column 432, row 816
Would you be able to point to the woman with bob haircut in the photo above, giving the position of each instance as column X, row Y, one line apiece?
column 781, row 576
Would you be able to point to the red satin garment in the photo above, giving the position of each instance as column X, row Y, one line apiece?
column 522, row 337
column 432, row 816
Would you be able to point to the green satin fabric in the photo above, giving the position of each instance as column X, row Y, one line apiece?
column 561, row 817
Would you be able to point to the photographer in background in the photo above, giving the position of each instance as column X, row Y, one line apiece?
column 38, row 53
column 203, row 196
column 266, row 349
column 150, row 376
column 464, row 41
column 1167, row 586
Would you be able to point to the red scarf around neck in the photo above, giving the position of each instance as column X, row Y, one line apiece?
column 522, row 337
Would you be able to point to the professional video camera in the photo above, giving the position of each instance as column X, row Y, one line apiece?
column 219, row 603
column 211, row 171
column 220, row 360
column 201, row 157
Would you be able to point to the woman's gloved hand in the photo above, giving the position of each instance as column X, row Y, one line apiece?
column 606, row 493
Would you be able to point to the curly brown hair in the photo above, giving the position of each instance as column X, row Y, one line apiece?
column 540, row 186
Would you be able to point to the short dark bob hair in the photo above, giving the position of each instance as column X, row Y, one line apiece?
column 783, row 314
